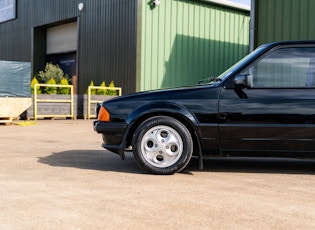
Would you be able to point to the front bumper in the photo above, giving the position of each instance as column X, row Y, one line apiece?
column 113, row 136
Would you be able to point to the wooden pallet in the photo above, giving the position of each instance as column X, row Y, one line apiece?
column 6, row 120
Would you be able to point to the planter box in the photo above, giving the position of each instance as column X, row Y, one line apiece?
column 94, row 99
column 58, row 109
column 51, row 109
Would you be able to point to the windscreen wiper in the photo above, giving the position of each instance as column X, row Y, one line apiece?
column 208, row 80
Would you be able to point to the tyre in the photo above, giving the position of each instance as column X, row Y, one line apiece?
column 162, row 145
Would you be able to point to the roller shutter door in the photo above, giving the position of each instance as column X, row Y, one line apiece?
column 62, row 39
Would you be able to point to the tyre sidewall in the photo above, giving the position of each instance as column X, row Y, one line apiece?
column 183, row 160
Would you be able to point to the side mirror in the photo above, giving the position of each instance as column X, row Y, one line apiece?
column 243, row 81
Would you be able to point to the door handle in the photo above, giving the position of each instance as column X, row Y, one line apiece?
column 222, row 117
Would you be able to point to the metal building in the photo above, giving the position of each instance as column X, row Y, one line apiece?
column 282, row 20
column 184, row 41
column 138, row 45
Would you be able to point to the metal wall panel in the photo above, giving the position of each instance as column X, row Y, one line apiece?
column 184, row 41
column 15, row 38
column 107, row 37
column 284, row 20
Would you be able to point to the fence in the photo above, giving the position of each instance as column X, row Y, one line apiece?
column 57, row 99
column 90, row 101
column 37, row 100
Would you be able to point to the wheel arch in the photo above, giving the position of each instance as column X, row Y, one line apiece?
column 167, row 109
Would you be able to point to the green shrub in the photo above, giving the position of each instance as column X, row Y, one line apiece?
column 111, row 92
column 93, row 91
column 35, row 81
column 51, row 71
column 64, row 90
column 101, row 91
column 51, row 90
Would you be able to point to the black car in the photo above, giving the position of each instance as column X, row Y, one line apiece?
column 262, row 106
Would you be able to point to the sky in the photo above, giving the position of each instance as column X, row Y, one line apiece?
column 245, row 2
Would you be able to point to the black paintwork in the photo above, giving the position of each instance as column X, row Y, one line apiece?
column 225, row 120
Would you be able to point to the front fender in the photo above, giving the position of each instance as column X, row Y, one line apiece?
column 161, row 107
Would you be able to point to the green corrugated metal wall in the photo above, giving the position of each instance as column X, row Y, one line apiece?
column 184, row 41
column 284, row 20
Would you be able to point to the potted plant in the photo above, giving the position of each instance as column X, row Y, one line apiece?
column 45, row 95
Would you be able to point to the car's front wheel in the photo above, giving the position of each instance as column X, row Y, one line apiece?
column 162, row 145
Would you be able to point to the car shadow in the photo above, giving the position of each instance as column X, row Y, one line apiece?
column 92, row 159
column 254, row 165
column 105, row 161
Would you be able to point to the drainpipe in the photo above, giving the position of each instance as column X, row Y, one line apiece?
column 252, row 26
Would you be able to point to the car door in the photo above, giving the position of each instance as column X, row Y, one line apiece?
column 276, row 112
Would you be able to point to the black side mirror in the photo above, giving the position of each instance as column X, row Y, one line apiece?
column 243, row 81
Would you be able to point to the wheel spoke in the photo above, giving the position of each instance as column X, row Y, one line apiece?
column 150, row 142
column 173, row 147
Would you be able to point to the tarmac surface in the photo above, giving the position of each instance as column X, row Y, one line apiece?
column 54, row 174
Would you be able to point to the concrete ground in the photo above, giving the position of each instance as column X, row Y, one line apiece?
column 55, row 175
